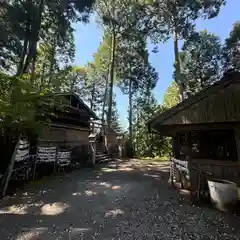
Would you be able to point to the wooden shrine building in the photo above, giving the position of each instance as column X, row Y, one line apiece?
column 205, row 131
column 70, row 121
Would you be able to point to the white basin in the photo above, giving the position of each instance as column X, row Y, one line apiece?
column 223, row 193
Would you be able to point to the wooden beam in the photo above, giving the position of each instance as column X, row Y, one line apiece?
column 78, row 115
column 76, row 110
column 79, row 120
column 66, row 126
column 171, row 130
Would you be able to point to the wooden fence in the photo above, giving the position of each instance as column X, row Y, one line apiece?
column 200, row 170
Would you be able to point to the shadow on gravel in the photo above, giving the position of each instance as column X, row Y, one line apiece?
column 95, row 203
column 39, row 208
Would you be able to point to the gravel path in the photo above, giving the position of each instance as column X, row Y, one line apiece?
column 125, row 200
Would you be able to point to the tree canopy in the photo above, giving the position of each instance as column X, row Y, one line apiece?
column 37, row 54
column 200, row 61
column 232, row 48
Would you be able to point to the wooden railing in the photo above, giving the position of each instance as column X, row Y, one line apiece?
column 198, row 171
column 181, row 165
column 178, row 166
column 228, row 170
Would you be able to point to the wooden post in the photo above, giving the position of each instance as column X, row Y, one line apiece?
column 56, row 160
column 237, row 139
column 172, row 169
column 175, row 153
column 94, row 153
column 119, row 145
column 105, row 139
column 199, row 180
column 175, row 147
column 92, row 144
column 10, row 167
column 34, row 168
column 189, row 142
column 120, row 151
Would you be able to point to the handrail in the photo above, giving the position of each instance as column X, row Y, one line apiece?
column 181, row 165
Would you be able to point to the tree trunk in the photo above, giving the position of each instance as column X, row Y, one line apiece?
column 105, row 97
column 33, row 68
column 52, row 60
column 177, row 64
column 106, row 90
column 137, row 130
column 130, row 114
column 111, row 78
column 92, row 97
column 35, row 29
column 23, row 54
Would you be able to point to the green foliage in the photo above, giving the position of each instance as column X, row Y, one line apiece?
column 91, row 82
column 37, row 51
column 108, row 12
column 133, row 66
column 200, row 61
column 25, row 24
column 122, row 21
column 172, row 16
column 232, row 48
column 171, row 96
column 144, row 106
column 102, row 56
column 36, row 47
column 177, row 19
column 148, row 144
column 115, row 121
column 94, row 86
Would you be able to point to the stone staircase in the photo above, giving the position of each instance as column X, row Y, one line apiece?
column 101, row 157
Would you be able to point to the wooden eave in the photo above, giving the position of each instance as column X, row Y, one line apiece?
column 160, row 118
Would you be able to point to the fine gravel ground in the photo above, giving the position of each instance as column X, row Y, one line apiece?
column 126, row 200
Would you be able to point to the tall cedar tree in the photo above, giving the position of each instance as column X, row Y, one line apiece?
column 118, row 18
column 176, row 19
column 134, row 71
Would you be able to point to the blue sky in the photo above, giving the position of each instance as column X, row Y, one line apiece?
column 88, row 37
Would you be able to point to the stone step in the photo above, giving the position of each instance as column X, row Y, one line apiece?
column 101, row 157
column 100, row 153
column 105, row 160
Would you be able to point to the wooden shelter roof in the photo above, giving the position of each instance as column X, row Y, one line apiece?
column 82, row 105
column 199, row 108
